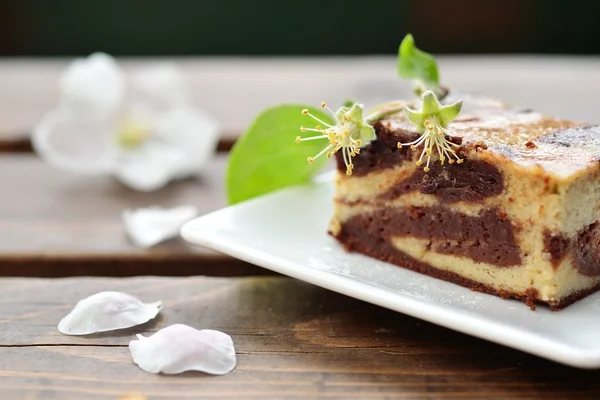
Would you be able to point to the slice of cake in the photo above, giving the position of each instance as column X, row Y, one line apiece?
column 517, row 214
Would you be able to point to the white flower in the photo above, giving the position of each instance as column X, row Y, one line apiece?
column 149, row 226
column 142, row 130
column 349, row 133
column 107, row 311
column 432, row 122
column 179, row 348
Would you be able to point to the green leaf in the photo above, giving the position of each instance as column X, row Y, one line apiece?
column 417, row 65
column 267, row 158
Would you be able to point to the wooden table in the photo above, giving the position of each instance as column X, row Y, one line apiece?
column 293, row 340
column 60, row 224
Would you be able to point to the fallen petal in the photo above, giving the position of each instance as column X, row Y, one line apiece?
column 149, row 226
column 179, row 348
column 107, row 311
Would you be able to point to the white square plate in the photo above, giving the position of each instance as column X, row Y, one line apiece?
column 287, row 232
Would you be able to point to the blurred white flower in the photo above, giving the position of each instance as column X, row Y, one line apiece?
column 142, row 130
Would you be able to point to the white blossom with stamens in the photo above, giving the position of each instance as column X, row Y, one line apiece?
column 349, row 133
column 432, row 121
column 141, row 129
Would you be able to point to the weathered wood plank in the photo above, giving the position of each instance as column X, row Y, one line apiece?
column 235, row 89
column 51, row 212
column 55, row 223
column 293, row 340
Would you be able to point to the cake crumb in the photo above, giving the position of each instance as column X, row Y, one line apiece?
column 530, row 145
column 531, row 296
column 480, row 146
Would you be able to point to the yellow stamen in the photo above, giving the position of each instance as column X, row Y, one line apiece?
column 298, row 139
column 302, row 129
column 323, row 104
column 311, row 160
column 305, row 111
column 459, row 161
column 132, row 134
column 426, row 169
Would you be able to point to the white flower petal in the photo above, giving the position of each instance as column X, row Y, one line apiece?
column 149, row 226
column 159, row 86
column 192, row 130
column 107, row 311
column 149, row 167
column 93, row 86
column 66, row 141
column 179, row 348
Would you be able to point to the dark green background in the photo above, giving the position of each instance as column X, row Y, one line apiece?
column 270, row 27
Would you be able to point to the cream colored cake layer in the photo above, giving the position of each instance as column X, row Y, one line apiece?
column 552, row 286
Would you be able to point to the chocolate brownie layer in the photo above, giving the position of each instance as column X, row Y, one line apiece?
column 583, row 249
column 472, row 182
column 382, row 249
column 487, row 238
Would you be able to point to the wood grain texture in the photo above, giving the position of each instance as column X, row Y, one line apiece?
column 54, row 223
column 235, row 89
column 293, row 340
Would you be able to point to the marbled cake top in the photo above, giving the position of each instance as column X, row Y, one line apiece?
column 528, row 138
